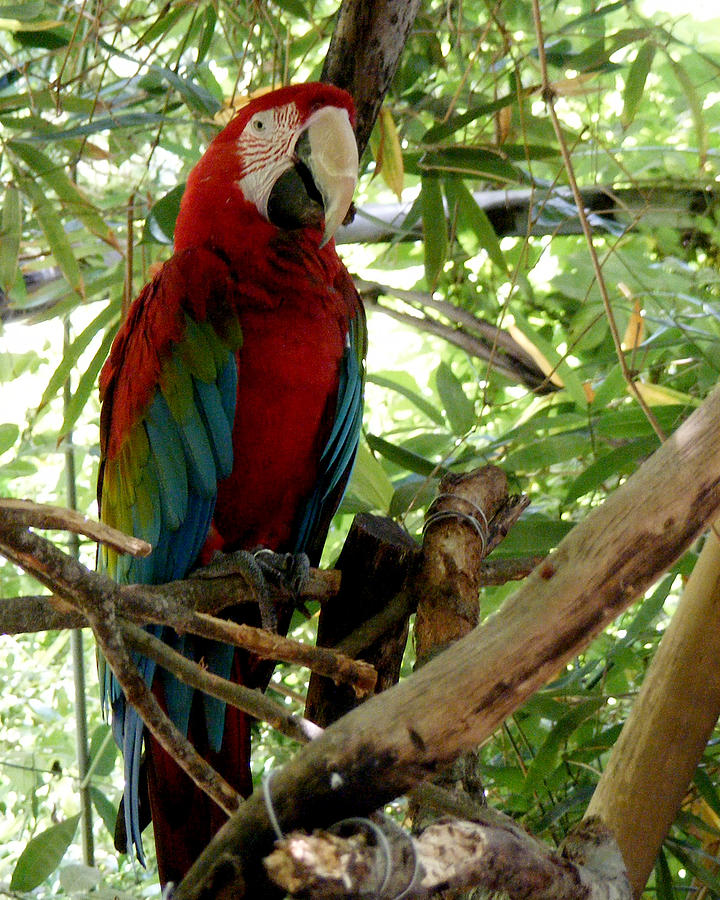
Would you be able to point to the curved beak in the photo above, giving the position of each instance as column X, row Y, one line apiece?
column 330, row 152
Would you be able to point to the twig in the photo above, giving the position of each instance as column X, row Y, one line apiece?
column 549, row 98
column 39, row 515
column 266, row 645
column 246, row 699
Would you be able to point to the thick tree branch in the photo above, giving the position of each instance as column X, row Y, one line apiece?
column 155, row 603
column 399, row 738
column 365, row 49
column 451, row 855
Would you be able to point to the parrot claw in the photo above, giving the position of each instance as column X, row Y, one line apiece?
column 262, row 567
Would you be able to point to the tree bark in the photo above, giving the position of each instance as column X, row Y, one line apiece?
column 401, row 737
column 365, row 49
column 664, row 737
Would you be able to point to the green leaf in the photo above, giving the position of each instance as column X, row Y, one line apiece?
column 129, row 120
column 9, row 433
column 473, row 219
column 635, row 81
column 663, row 878
column 73, row 352
column 160, row 222
column 42, row 855
column 54, row 232
column 438, row 132
column 369, row 484
column 619, row 461
column 86, row 384
column 472, row 162
column 404, row 458
column 434, row 230
column 533, row 535
column 549, row 451
column 208, row 30
column 695, row 104
column 707, row 790
column 23, row 11
column 103, row 751
column 690, row 859
column 74, row 201
column 167, row 19
column 547, row 758
column 459, row 409
column 195, row 95
column 569, row 377
column 105, row 809
column 412, row 395
column 10, row 237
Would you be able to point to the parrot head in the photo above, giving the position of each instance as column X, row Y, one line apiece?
column 288, row 160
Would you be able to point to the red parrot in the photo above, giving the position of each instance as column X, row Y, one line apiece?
column 231, row 410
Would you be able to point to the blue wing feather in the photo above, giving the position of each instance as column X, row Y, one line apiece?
column 189, row 435
column 338, row 455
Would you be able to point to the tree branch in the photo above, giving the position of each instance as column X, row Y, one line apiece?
column 491, row 853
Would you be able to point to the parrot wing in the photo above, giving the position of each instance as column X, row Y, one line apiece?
column 169, row 391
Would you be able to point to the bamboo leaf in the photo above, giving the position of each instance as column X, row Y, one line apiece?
column 369, row 483
column 635, row 81
column 73, row 352
column 42, row 855
column 9, row 433
column 434, row 230
column 548, row 359
column 459, row 409
column 619, row 461
column 474, row 219
column 695, row 105
column 103, row 751
column 10, row 237
column 413, row 396
column 105, row 809
column 54, row 232
column 74, row 200
column 406, row 459
column 160, row 221
column 547, row 758
column 86, row 385
column 385, row 144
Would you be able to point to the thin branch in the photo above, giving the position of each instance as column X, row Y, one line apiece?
column 266, row 645
column 250, row 701
column 39, row 515
column 549, row 97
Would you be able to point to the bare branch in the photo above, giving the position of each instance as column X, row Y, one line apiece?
column 253, row 702
column 39, row 515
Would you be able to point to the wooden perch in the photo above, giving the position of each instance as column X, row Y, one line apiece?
column 451, row 855
column 399, row 738
column 670, row 724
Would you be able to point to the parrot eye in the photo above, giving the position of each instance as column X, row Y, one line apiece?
column 261, row 122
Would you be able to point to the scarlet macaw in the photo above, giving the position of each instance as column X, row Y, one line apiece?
column 231, row 409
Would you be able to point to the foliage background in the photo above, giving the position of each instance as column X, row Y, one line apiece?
column 104, row 108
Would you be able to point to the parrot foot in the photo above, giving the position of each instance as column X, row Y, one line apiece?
column 261, row 568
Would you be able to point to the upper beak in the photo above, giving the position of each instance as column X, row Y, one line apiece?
column 332, row 157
